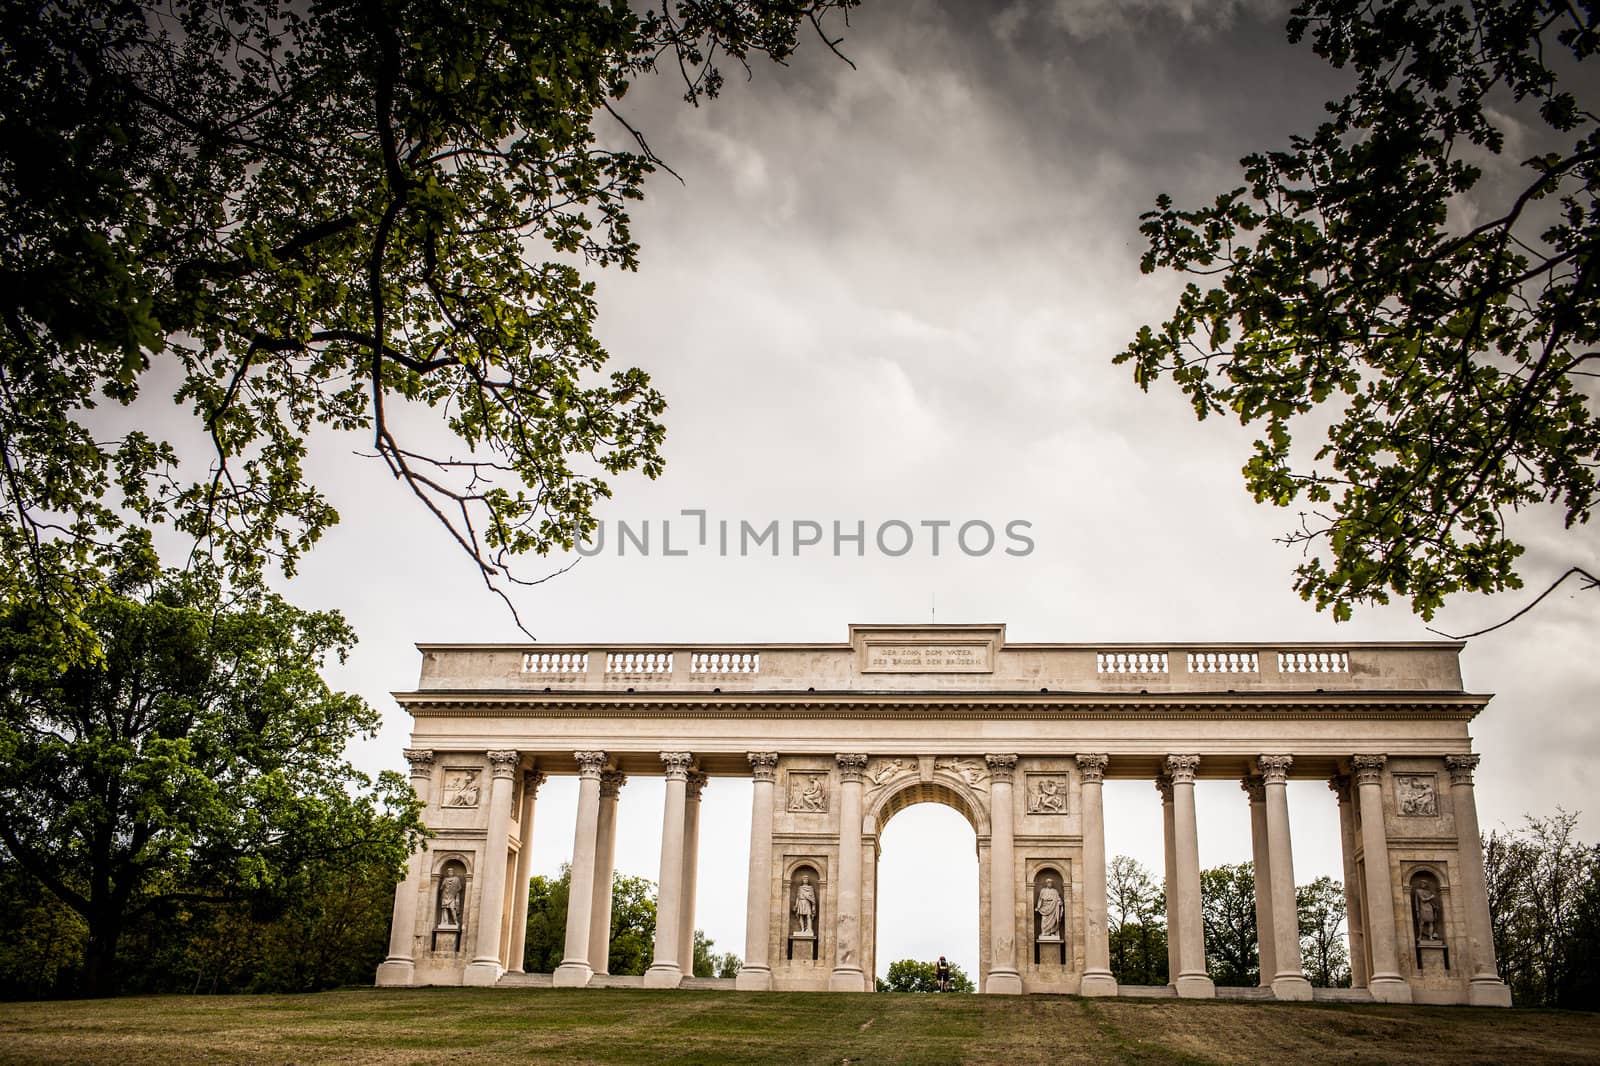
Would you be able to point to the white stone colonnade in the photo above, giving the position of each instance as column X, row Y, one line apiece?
column 1019, row 738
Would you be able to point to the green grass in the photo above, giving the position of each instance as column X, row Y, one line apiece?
column 620, row 1026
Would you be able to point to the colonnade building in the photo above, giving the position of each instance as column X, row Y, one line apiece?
column 1019, row 738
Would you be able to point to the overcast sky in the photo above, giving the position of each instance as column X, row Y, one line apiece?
column 894, row 292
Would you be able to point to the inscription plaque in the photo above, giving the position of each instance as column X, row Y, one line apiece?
column 928, row 659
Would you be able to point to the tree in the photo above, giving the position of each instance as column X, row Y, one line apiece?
column 633, row 924
column 914, row 975
column 705, row 962
column 1136, row 923
column 357, row 216
column 198, row 762
column 1324, row 955
column 1228, row 916
column 1543, row 888
column 1391, row 278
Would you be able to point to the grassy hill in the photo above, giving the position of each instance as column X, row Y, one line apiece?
column 656, row 1028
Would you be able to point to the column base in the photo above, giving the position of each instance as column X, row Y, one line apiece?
column 571, row 975
column 481, row 974
column 1195, row 986
column 663, row 975
column 1098, row 983
column 1291, row 987
column 1488, row 992
column 1003, row 983
column 1389, row 989
column 753, row 979
column 847, row 980
column 396, row 973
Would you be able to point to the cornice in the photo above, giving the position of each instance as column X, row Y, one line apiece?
column 1313, row 706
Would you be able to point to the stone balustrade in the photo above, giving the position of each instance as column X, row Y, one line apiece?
column 976, row 659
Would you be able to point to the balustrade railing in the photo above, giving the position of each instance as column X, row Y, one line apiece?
column 1224, row 662
column 637, row 663
column 1132, row 663
column 1313, row 662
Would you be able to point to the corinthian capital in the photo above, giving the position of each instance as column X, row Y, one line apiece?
column 421, row 761
column 1181, row 768
column 591, row 764
column 763, row 765
column 531, row 780
column 697, row 783
column 1092, row 767
column 1274, row 768
column 1461, row 767
column 1254, row 786
column 1368, row 769
column 1001, row 766
column 851, row 767
column 611, row 782
column 504, row 763
column 677, row 764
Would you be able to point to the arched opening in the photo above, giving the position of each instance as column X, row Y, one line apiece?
column 927, row 879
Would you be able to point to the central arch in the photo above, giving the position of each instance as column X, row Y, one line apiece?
column 947, row 789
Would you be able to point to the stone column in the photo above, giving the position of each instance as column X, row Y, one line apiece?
column 605, row 862
column 1170, row 884
column 847, row 975
column 575, row 971
column 1485, row 989
column 691, row 869
column 531, row 780
column 400, row 968
column 666, row 972
column 1354, row 924
column 485, row 967
column 1003, row 976
column 1193, row 981
column 1288, row 982
column 1256, row 789
column 1386, row 984
column 1097, row 976
column 756, row 973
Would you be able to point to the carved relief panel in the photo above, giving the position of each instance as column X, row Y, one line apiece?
column 882, row 771
column 461, row 786
column 808, row 792
column 1416, row 795
column 974, row 773
column 1047, row 793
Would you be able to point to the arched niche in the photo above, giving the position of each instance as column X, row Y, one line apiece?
column 451, row 883
column 1427, row 892
column 803, row 902
column 1047, row 891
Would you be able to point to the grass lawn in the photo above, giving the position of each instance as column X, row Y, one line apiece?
column 626, row 1026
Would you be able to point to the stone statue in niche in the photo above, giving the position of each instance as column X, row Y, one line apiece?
column 1051, row 910
column 808, row 793
column 450, row 886
column 1047, row 795
column 1416, row 796
column 1425, row 902
column 805, row 907
column 461, row 788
